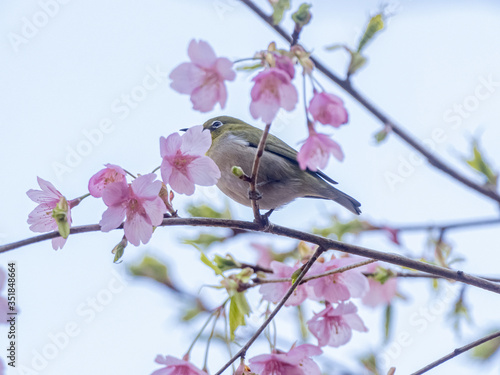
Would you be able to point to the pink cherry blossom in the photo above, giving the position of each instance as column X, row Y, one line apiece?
column 379, row 294
column 139, row 203
column 286, row 64
column 333, row 326
column 112, row 173
column 296, row 362
column 174, row 366
column 265, row 254
column 184, row 162
column 274, row 292
column 316, row 151
column 393, row 234
column 41, row 219
column 328, row 109
column 203, row 78
column 273, row 90
column 338, row 286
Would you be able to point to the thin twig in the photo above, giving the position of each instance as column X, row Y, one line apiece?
column 243, row 350
column 347, row 87
column 417, row 275
column 253, row 194
column 444, row 226
column 318, row 276
column 457, row 352
column 298, row 235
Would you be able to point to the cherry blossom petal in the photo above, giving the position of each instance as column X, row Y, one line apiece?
column 186, row 78
column 115, row 193
column 155, row 209
column 145, row 186
column 58, row 243
column 204, row 171
column 225, row 69
column 196, row 141
column 180, row 183
column 137, row 229
column 112, row 218
column 201, row 53
column 170, row 145
column 205, row 97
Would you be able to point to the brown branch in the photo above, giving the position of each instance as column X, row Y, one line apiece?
column 457, row 352
column 298, row 235
column 346, row 85
column 254, row 195
column 243, row 350
column 416, row 275
column 318, row 276
column 446, row 227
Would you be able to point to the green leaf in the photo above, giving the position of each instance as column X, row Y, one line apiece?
column 382, row 135
column 296, row 274
column 334, row 47
column 245, row 275
column 486, row 350
column 226, row 263
column 387, row 322
column 382, row 275
column 302, row 323
column 460, row 312
column 204, row 240
column 356, row 63
column 375, row 25
column 152, row 268
column 279, row 8
column 207, row 211
column 302, row 16
column 209, row 263
column 118, row 254
column 250, row 67
column 339, row 229
column 479, row 164
column 237, row 310
column 370, row 363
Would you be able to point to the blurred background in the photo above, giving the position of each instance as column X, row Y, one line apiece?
column 69, row 67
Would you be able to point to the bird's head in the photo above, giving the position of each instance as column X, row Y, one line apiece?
column 221, row 124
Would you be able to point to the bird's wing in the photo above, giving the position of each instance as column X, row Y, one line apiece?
column 280, row 148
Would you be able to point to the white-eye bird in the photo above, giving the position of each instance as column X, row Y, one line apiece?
column 280, row 179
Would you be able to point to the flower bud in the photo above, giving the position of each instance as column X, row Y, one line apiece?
column 60, row 215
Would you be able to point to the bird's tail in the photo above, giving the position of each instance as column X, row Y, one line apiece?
column 340, row 197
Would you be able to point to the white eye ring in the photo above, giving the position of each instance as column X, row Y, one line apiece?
column 216, row 124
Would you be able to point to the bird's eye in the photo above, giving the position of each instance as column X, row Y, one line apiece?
column 216, row 124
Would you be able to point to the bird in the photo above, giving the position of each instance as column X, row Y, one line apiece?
column 279, row 180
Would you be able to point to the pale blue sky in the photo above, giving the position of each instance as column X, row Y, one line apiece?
column 69, row 78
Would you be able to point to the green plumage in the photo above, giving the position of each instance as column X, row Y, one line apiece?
column 280, row 179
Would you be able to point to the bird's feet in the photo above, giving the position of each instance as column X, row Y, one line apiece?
column 263, row 220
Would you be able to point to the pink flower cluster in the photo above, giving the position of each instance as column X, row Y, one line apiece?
column 139, row 204
column 297, row 361
column 203, row 78
column 326, row 109
column 334, row 324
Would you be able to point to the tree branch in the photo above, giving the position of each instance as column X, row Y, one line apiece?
column 243, row 350
column 323, row 242
column 259, row 281
column 444, row 226
column 346, row 85
column 254, row 195
column 457, row 352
